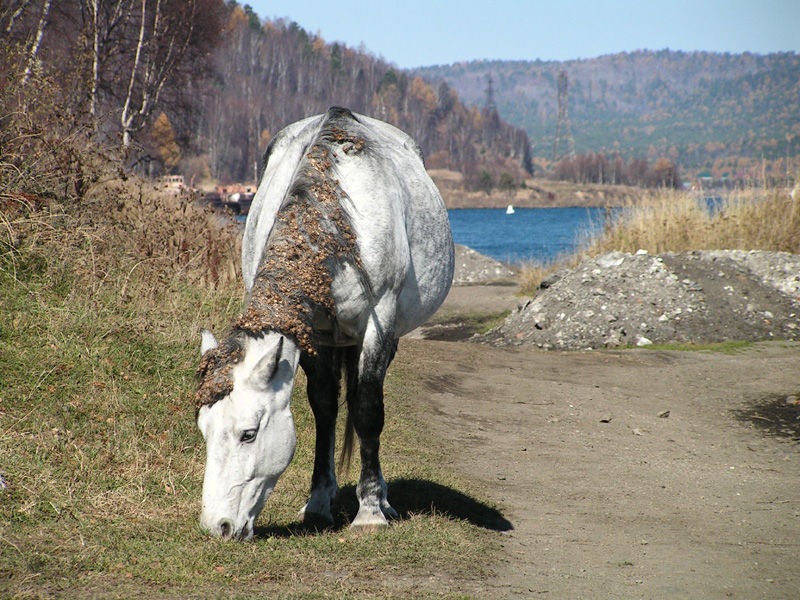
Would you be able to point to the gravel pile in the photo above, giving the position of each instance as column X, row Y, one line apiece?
column 473, row 267
column 620, row 299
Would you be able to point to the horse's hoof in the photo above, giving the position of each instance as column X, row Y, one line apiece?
column 315, row 519
column 369, row 521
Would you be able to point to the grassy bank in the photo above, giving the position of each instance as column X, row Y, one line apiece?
column 100, row 310
column 669, row 221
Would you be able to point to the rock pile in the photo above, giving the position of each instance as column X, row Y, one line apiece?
column 620, row 299
column 473, row 267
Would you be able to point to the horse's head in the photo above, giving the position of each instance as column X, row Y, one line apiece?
column 244, row 415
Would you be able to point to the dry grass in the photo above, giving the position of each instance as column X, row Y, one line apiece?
column 104, row 285
column 668, row 221
column 675, row 222
column 101, row 302
column 172, row 234
column 532, row 274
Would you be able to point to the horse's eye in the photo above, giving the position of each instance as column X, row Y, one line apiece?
column 248, row 435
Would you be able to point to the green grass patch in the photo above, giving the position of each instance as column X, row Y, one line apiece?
column 476, row 322
column 719, row 347
column 455, row 327
column 481, row 323
column 104, row 464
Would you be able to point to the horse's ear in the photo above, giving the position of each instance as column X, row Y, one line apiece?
column 267, row 366
column 209, row 342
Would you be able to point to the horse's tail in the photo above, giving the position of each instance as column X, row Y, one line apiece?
column 347, row 446
column 350, row 358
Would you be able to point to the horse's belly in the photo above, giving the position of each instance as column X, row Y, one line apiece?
column 326, row 333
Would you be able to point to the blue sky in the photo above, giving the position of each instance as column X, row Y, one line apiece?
column 413, row 33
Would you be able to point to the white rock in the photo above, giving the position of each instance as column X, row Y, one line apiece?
column 611, row 259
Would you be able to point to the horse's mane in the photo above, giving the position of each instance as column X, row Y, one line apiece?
column 311, row 237
column 214, row 371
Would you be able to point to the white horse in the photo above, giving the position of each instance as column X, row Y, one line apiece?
column 347, row 247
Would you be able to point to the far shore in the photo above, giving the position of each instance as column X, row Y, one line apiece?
column 537, row 193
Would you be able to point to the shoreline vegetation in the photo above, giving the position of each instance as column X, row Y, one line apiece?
column 536, row 193
column 677, row 221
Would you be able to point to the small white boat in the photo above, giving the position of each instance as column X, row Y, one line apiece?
column 510, row 210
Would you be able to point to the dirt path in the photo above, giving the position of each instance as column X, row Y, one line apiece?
column 607, row 498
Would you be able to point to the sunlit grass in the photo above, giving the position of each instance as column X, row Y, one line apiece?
column 751, row 219
column 104, row 463
column 731, row 347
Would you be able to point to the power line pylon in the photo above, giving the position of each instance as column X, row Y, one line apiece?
column 490, row 103
column 563, row 130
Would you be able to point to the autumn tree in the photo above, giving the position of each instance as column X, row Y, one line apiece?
column 164, row 139
column 665, row 174
column 266, row 78
column 164, row 33
column 596, row 168
column 116, row 61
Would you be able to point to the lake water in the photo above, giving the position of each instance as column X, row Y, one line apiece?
column 530, row 234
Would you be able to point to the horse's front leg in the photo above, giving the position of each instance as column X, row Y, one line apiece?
column 323, row 372
column 365, row 402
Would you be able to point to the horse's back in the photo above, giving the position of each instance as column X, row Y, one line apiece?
column 399, row 218
column 397, row 215
column 277, row 171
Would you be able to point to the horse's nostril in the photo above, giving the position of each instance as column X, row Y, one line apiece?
column 226, row 528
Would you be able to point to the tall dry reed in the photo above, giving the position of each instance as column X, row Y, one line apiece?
column 674, row 222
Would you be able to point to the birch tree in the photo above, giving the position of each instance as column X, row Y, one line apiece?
column 37, row 41
column 10, row 13
column 105, row 20
column 164, row 33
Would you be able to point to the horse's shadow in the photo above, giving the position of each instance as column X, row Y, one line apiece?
column 408, row 497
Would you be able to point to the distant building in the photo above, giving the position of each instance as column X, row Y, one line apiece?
column 237, row 197
column 173, row 183
column 235, row 192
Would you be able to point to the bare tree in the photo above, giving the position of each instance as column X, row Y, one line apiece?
column 164, row 34
column 12, row 11
column 105, row 20
column 37, row 41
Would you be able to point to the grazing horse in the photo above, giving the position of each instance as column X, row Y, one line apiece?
column 347, row 247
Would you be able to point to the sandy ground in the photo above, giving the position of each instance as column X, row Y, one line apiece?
column 610, row 496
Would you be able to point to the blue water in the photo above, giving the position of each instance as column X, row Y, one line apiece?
column 529, row 235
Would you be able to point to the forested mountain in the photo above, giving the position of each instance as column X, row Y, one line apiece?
column 722, row 113
column 267, row 75
column 200, row 86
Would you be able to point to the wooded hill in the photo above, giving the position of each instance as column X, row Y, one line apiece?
column 199, row 87
column 722, row 113
column 269, row 75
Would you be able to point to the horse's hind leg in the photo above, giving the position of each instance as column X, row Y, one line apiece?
column 366, row 371
column 323, row 372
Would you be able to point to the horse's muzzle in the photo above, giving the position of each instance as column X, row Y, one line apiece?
column 227, row 530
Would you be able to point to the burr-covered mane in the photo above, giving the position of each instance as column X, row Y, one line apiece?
column 312, row 236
